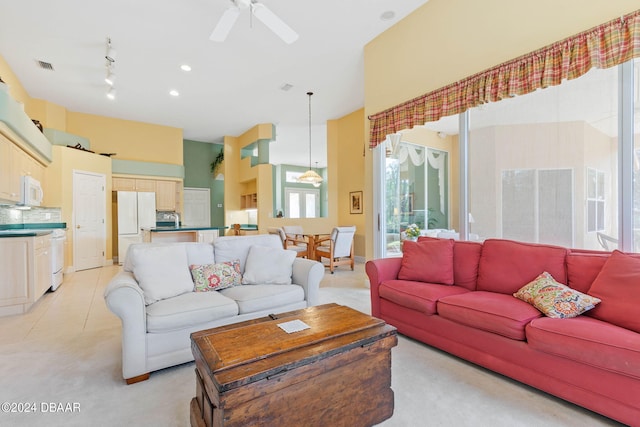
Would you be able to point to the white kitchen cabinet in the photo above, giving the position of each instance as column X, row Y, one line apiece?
column 207, row 236
column 25, row 272
column 14, row 273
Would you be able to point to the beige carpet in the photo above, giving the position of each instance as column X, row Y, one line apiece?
column 66, row 350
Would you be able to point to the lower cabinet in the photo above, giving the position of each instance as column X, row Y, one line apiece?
column 207, row 236
column 25, row 272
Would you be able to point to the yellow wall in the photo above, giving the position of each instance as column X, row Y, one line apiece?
column 16, row 90
column 447, row 40
column 348, row 134
column 65, row 161
column 130, row 140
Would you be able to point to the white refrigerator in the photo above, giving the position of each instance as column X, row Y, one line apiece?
column 135, row 210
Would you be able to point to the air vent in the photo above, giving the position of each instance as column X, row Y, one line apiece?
column 45, row 65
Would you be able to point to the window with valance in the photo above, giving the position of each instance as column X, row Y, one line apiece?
column 604, row 46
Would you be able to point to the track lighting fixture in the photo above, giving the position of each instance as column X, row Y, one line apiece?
column 110, row 65
column 111, row 77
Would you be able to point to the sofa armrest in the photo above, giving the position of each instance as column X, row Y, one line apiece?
column 125, row 299
column 378, row 271
column 308, row 274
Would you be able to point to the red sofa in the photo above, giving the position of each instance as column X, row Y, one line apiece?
column 592, row 360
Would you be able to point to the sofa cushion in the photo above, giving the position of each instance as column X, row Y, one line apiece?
column 466, row 256
column 228, row 248
column 618, row 286
column 252, row 298
column 506, row 265
column 162, row 272
column 583, row 268
column 490, row 311
column 190, row 309
column 428, row 261
column 215, row 277
column 268, row 265
column 417, row 296
column 554, row 299
column 587, row 340
column 197, row 253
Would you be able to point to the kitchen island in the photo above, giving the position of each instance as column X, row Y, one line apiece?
column 180, row 234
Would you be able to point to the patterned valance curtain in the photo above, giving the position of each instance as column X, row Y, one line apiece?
column 604, row 46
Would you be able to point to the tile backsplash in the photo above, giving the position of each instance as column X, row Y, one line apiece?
column 11, row 215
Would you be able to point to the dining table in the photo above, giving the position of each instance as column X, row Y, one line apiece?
column 313, row 240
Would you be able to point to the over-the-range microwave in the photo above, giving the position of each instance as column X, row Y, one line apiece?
column 31, row 191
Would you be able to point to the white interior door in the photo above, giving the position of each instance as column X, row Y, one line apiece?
column 197, row 207
column 89, row 241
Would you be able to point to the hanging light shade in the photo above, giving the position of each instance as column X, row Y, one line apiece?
column 310, row 176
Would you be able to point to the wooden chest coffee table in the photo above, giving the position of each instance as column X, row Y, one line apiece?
column 336, row 373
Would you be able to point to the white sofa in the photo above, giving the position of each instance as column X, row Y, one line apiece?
column 156, row 335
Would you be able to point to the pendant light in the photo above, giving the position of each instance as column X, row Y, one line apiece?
column 310, row 176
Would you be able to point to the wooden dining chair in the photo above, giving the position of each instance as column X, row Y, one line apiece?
column 294, row 231
column 340, row 248
column 299, row 246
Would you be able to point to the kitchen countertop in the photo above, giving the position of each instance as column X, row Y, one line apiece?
column 173, row 228
column 29, row 230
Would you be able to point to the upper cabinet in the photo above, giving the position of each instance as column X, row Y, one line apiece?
column 167, row 192
column 9, row 187
column 133, row 184
column 15, row 163
column 166, row 196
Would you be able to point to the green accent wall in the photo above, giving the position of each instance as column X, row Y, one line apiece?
column 197, row 158
column 135, row 167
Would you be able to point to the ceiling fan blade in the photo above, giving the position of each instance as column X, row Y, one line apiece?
column 221, row 31
column 274, row 23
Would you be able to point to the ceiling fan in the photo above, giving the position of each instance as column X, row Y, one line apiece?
column 260, row 11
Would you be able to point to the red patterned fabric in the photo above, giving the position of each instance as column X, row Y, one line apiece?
column 604, row 46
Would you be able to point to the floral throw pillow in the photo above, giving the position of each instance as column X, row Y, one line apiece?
column 214, row 277
column 554, row 299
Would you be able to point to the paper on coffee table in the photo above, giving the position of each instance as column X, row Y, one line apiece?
column 293, row 326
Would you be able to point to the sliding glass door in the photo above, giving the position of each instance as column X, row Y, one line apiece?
column 414, row 191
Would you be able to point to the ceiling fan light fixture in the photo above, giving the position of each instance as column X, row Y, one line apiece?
column 111, row 93
column 275, row 24
column 226, row 22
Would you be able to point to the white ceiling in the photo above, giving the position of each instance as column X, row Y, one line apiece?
column 232, row 86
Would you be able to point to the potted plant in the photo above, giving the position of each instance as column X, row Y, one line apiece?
column 217, row 162
column 412, row 232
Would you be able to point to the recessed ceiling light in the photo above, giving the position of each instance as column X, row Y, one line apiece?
column 174, row 93
column 388, row 15
column 185, row 67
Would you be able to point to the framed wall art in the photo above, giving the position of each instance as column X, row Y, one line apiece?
column 355, row 198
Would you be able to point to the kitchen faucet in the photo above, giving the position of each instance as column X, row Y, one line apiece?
column 177, row 216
